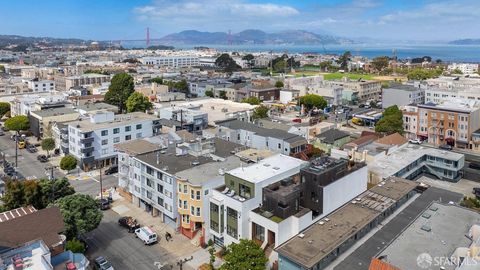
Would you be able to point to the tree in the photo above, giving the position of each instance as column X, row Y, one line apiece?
column 280, row 66
column 260, row 112
column 326, row 66
column 80, row 214
column 75, row 246
column 226, row 62
column 211, row 251
column 251, row 100
column 209, row 93
column 121, row 87
column 157, row 80
column 137, row 102
column 182, row 86
column 457, row 71
column 55, row 189
column 391, row 121
column 17, row 123
column 279, row 84
column 381, row 62
column 14, row 196
column 244, row 255
column 48, row 144
column 249, row 58
column 222, row 94
column 68, row 163
column 344, row 59
column 4, row 108
column 423, row 74
column 311, row 101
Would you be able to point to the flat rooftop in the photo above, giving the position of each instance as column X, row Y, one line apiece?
column 201, row 174
column 448, row 224
column 404, row 156
column 320, row 239
column 267, row 168
column 55, row 112
column 254, row 155
column 136, row 147
column 455, row 105
column 120, row 119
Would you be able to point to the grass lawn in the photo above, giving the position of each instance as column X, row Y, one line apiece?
column 353, row 76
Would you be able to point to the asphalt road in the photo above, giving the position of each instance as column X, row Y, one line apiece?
column 91, row 186
column 121, row 248
column 360, row 258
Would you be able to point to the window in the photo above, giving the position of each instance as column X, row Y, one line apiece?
column 159, row 175
column 179, row 203
column 104, row 151
column 128, row 128
column 179, row 187
column 198, row 212
column 104, row 142
column 168, row 207
column 149, row 182
column 116, row 130
column 160, row 201
column 150, row 170
column 116, row 140
column 185, row 205
column 279, row 146
column 138, row 135
column 192, row 194
column 104, row 132
column 139, row 126
column 192, row 210
column 149, row 194
column 159, row 188
column 184, row 188
column 128, row 137
column 206, row 192
column 213, row 207
column 198, row 194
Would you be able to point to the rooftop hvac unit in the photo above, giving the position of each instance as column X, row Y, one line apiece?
column 301, row 235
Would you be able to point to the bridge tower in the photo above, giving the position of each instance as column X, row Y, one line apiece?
column 147, row 39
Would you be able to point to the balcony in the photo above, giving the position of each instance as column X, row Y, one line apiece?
column 87, row 149
column 86, row 140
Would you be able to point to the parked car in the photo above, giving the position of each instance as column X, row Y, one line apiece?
column 474, row 165
column 421, row 187
column 130, row 223
column 1, row 132
column 415, row 141
column 361, row 106
column 476, row 191
column 31, row 148
column 445, row 147
column 111, row 170
column 102, row 264
column 146, row 235
column 104, row 204
column 42, row 158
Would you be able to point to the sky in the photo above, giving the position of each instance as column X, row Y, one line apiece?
column 128, row 19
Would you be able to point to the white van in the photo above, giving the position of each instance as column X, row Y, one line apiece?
column 146, row 235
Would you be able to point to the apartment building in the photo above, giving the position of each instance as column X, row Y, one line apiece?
column 41, row 85
column 367, row 90
column 13, row 87
column 170, row 61
column 91, row 139
column 452, row 82
column 450, row 123
column 410, row 122
column 85, row 79
column 23, row 105
column 253, row 136
column 402, row 95
column 442, row 95
column 231, row 203
column 191, row 120
column 465, row 68
column 333, row 95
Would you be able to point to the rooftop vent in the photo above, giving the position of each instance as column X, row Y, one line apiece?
column 276, row 168
column 426, row 215
column 266, row 165
column 301, row 235
column 321, row 222
column 426, row 228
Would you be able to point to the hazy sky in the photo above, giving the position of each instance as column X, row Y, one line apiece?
column 122, row 19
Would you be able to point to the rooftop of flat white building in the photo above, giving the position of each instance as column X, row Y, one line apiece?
column 393, row 162
column 458, row 104
column 86, row 125
column 268, row 168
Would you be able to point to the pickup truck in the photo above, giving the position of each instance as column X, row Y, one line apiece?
column 130, row 223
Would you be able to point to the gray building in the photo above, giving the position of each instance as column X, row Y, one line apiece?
column 402, row 95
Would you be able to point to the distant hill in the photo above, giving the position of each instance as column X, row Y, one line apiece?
column 6, row 40
column 467, row 41
column 252, row 36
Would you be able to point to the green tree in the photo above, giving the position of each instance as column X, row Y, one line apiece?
column 209, row 93
column 457, row 71
column 4, row 108
column 280, row 66
column 80, row 213
column 423, row 74
column 311, row 101
column 279, row 84
column 211, row 251
column 14, row 196
column 17, row 123
column 326, row 66
column 75, row 246
column 380, row 63
column 182, row 86
column 68, row 163
column 344, row 59
column 391, row 121
column 260, row 112
column 226, row 62
column 137, row 102
column 244, row 255
column 121, row 87
column 2, row 69
column 251, row 100
column 55, row 189
column 157, row 80
column 222, row 94
column 249, row 58
column 48, row 144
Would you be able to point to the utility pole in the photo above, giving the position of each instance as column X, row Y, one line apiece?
column 16, row 149
column 101, row 185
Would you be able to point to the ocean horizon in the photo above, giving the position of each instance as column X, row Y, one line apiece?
column 445, row 52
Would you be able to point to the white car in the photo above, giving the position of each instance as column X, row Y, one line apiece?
column 146, row 235
column 415, row 141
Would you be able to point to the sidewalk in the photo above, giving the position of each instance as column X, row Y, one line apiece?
column 179, row 247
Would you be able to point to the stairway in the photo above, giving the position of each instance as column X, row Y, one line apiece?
column 434, row 172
